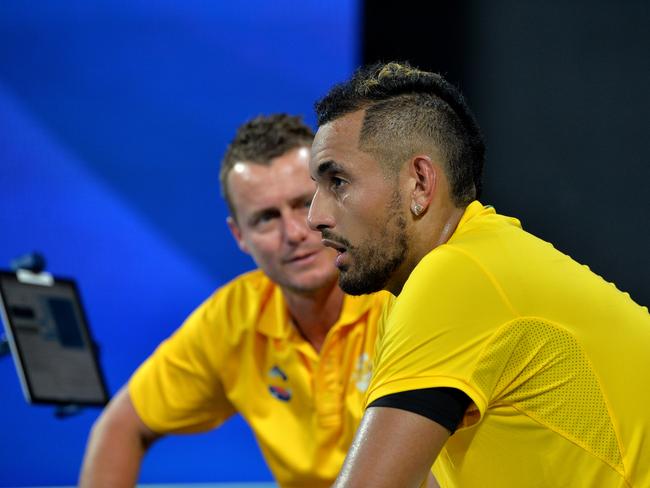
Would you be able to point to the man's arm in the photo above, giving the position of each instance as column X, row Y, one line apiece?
column 117, row 444
column 393, row 447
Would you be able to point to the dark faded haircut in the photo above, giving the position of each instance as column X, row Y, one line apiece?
column 260, row 140
column 407, row 111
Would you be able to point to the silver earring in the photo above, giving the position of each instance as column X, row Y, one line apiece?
column 417, row 209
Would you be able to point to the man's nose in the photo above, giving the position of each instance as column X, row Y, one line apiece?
column 296, row 227
column 319, row 217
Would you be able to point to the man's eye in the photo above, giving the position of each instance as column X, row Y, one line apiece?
column 336, row 182
column 264, row 218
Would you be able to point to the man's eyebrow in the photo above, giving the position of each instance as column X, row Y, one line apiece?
column 305, row 197
column 329, row 166
column 257, row 214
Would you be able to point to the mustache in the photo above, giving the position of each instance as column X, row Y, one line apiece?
column 330, row 236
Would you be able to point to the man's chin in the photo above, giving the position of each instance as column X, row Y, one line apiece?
column 353, row 286
column 311, row 284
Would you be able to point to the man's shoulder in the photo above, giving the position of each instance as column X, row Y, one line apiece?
column 252, row 282
column 237, row 304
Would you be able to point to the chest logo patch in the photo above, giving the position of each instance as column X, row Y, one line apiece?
column 278, row 384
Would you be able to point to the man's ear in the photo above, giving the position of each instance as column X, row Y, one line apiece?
column 424, row 176
column 236, row 233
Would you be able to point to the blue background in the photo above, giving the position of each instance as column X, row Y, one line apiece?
column 113, row 119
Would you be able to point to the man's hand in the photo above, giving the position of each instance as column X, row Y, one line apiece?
column 392, row 448
column 117, row 443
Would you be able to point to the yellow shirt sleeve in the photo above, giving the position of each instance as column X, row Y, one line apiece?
column 438, row 326
column 178, row 388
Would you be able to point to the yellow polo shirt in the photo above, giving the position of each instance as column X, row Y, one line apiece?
column 555, row 359
column 238, row 352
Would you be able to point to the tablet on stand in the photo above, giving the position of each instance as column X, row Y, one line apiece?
column 50, row 341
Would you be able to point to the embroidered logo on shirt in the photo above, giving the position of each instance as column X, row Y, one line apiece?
column 362, row 372
column 276, row 372
column 277, row 388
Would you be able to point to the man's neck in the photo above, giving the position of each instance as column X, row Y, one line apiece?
column 314, row 314
column 441, row 228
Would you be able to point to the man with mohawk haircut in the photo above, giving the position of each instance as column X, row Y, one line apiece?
column 501, row 360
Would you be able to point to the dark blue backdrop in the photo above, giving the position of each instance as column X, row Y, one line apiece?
column 113, row 117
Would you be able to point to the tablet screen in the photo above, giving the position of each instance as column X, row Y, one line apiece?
column 50, row 341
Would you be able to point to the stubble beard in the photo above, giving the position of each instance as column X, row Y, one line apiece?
column 377, row 259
